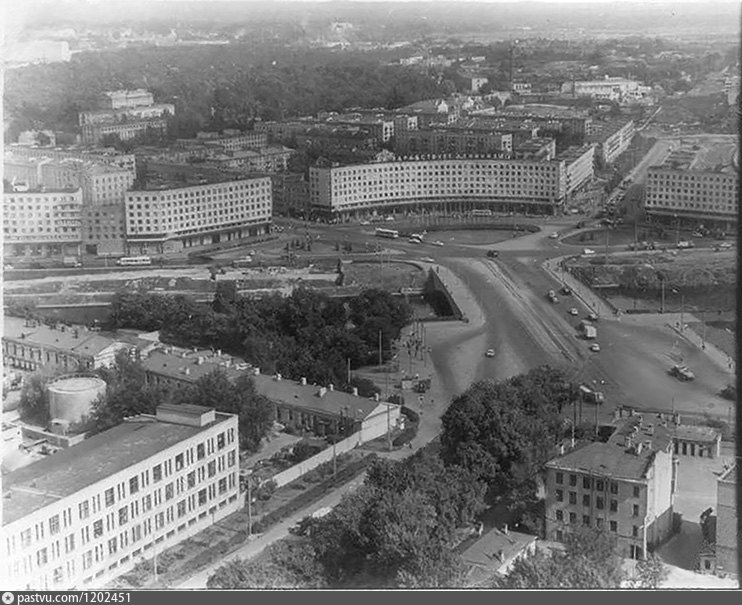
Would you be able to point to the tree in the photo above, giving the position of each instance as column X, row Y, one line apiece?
column 225, row 296
column 33, row 406
column 649, row 573
column 590, row 560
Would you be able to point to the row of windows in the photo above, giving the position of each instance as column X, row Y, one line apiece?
column 594, row 483
column 613, row 526
column 599, row 502
column 34, row 564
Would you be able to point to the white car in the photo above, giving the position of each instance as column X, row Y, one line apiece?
column 490, row 353
column 427, row 259
column 595, row 347
column 592, row 316
column 438, row 243
column 554, row 235
column 574, row 311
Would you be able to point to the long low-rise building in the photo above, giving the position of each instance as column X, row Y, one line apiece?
column 91, row 512
column 459, row 141
column 697, row 183
column 172, row 216
column 359, row 189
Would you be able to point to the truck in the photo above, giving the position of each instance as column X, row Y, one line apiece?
column 71, row 261
column 588, row 330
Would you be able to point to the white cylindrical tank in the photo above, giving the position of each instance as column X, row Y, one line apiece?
column 71, row 397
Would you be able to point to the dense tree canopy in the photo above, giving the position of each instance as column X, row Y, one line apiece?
column 504, row 432
column 307, row 334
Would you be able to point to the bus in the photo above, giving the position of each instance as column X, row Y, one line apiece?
column 390, row 233
column 134, row 261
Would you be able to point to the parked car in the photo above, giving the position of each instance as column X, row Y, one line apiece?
column 682, row 372
column 592, row 316
column 574, row 311
column 490, row 353
column 438, row 243
column 566, row 290
column 492, row 254
column 595, row 347
column 554, row 235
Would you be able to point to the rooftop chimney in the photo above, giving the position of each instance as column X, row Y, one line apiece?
column 331, row 387
column 376, row 397
column 256, row 371
column 303, row 381
column 355, row 391
column 199, row 360
column 639, row 447
column 322, row 391
column 278, row 377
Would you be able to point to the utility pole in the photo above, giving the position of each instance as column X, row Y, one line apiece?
column 249, row 508
column 682, row 312
column 388, row 427
column 348, row 359
column 380, row 359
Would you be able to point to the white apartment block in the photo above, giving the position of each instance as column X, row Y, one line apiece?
column 42, row 222
column 538, row 186
column 580, row 165
column 178, row 217
column 81, row 517
column 695, row 184
column 609, row 89
column 121, row 99
column 231, row 142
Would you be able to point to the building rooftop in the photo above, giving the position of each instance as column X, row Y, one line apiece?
column 696, row 433
column 602, row 129
column 77, row 340
column 572, row 153
column 542, row 111
column 494, row 550
column 70, row 470
column 615, row 458
column 186, row 367
column 716, row 156
column 730, row 476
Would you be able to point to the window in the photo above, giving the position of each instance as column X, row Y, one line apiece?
column 157, row 473
column 98, row 528
column 573, row 480
column 41, row 557
column 560, row 478
column 635, row 531
column 635, row 510
column 599, row 503
column 559, row 495
column 599, row 523
column 179, row 462
column 586, row 500
column 222, row 485
column 69, row 543
column 231, row 458
column 123, row 515
column 220, row 441
column 573, row 517
column 202, row 496
column 58, row 575
column 200, row 451
column 212, row 468
column 559, row 516
column 586, row 483
column 614, row 526
column 636, row 491
column 169, row 491
column 113, row 546
column 559, row 535
column 26, row 537
column 87, row 560
column 109, row 497
column 586, row 520
column 614, row 506
column 573, row 497
column 181, row 508
column 599, row 485
column 192, row 479
column 54, row 525
column 134, row 485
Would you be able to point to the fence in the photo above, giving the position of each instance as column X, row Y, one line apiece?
column 296, row 471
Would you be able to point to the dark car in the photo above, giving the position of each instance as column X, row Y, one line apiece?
column 566, row 290
column 493, row 253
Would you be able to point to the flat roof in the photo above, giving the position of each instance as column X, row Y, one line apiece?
column 716, row 156
column 70, row 470
column 696, row 433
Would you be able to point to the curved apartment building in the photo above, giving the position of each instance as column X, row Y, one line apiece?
column 453, row 184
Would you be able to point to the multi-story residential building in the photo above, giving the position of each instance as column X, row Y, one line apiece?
column 625, row 486
column 31, row 345
column 42, row 222
column 551, row 118
column 432, row 112
column 103, row 189
column 401, row 121
column 455, row 141
column 127, row 99
column 359, row 189
column 230, row 140
column 290, row 195
column 727, row 536
column 111, row 157
column 580, row 165
column 612, row 137
column 519, row 130
column 379, row 127
column 620, row 90
column 90, row 512
column 271, row 158
column 538, row 148
column 126, row 114
column 696, row 184
column 170, row 216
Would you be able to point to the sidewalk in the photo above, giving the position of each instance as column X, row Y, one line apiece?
column 689, row 334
